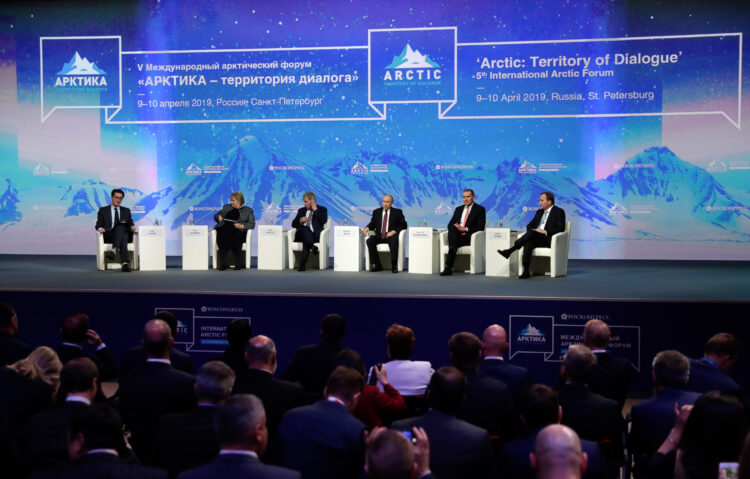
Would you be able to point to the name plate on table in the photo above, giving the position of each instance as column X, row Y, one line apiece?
column 498, row 233
column 195, row 231
column 151, row 231
column 270, row 231
column 346, row 231
column 421, row 233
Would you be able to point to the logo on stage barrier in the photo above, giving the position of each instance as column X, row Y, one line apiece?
column 531, row 334
column 80, row 72
column 412, row 65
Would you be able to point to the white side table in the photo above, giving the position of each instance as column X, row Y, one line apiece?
column 500, row 238
column 194, row 247
column 423, row 250
column 271, row 247
column 348, row 248
column 152, row 248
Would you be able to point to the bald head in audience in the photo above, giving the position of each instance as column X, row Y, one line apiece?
column 494, row 341
column 261, row 354
column 557, row 454
column 157, row 339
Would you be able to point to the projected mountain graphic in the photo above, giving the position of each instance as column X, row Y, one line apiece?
column 80, row 66
column 87, row 197
column 8, row 201
column 412, row 59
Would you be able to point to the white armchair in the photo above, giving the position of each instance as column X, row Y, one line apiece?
column 102, row 263
column 475, row 252
column 383, row 248
column 323, row 244
column 553, row 260
column 246, row 247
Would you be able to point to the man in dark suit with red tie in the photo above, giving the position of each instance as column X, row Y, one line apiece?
column 466, row 220
column 547, row 222
column 387, row 222
column 116, row 224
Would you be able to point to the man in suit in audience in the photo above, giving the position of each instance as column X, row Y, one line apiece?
column 135, row 358
column 238, row 333
column 591, row 415
column 466, row 220
column 94, row 437
column 391, row 456
column 115, row 223
column 538, row 407
column 312, row 364
column 652, row 420
column 387, row 222
column 458, row 449
column 612, row 375
column 547, row 222
column 187, row 440
column 488, row 403
column 154, row 390
column 325, row 440
column 241, row 427
column 278, row 396
column 711, row 371
column 11, row 348
column 76, row 333
column 309, row 222
column 494, row 346
column 557, row 454
column 47, row 433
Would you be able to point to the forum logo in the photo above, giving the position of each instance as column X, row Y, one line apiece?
column 80, row 72
column 411, row 65
column 527, row 167
column 530, row 334
column 359, row 169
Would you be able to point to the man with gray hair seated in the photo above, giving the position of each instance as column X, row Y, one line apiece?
column 240, row 422
column 309, row 222
column 557, row 454
column 653, row 419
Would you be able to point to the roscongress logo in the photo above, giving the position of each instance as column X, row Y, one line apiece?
column 412, row 65
column 80, row 72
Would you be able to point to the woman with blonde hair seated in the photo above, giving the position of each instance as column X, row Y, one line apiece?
column 41, row 365
column 231, row 224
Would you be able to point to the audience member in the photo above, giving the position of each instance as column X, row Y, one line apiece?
column 155, row 390
column 135, row 358
column 324, row 440
column 409, row 378
column 711, row 371
column 241, row 427
column 494, row 346
column 390, row 455
column 312, row 365
column 612, row 374
column 187, row 440
column 75, row 332
column 238, row 334
column 744, row 469
column 488, row 403
column 11, row 348
column 278, row 396
column 458, row 449
column 557, row 454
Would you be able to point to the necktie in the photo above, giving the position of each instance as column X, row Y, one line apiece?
column 117, row 217
column 385, row 224
column 309, row 217
column 466, row 216
column 544, row 219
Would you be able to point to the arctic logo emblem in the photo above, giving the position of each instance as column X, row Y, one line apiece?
column 80, row 72
column 412, row 59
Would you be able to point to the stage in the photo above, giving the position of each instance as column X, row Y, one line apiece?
column 651, row 306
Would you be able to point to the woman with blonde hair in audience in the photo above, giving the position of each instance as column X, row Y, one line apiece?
column 41, row 365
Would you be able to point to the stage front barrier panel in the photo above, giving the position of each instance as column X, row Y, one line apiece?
column 423, row 250
column 152, row 248
column 272, row 247
column 348, row 244
column 500, row 238
column 194, row 247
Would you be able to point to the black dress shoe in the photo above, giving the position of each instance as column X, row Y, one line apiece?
column 446, row 272
column 525, row 274
column 222, row 267
column 302, row 267
column 394, row 269
column 111, row 255
column 505, row 253
column 376, row 268
column 125, row 268
column 314, row 249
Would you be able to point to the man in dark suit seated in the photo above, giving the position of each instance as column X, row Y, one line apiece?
column 76, row 333
column 557, row 454
column 494, row 346
column 134, row 358
column 187, row 440
column 11, row 348
column 238, row 333
column 466, row 220
column 387, row 222
column 652, row 420
column 155, row 390
column 488, row 403
column 547, row 222
column 390, row 455
column 325, row 440
column 309, row 222
column 591, row 415
column 241, row 427
column 612, row 375
column 116, row 224
column 94, row 437
column 711, row 371
column 46, row 436
column 278, row 396
column 312, row 364
column 457, row 449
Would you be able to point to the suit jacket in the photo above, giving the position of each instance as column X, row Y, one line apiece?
column 278, row 396
column 319, row 219
column 489, row 405
column 235, row 359
column 517, row 378
column 104, row 218
column 103, row 465
column 611, row 377
column 555, row 222
column 186, row 440
column 476, row 221
column 458, row 449
column 12, row 349
column 323, row 441
column 135, row 358
column 396, row 221
column 102, row 358
column 592, row 416
column 147, row 394
column 705, row 377
column 45, row 441
column 246, row 216
column 21, row 398
column 311, row 366
column 239, row 465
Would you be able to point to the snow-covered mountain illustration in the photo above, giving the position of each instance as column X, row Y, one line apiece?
column 9, row 212
column 88, row 196
column 80, row 66
column 410, row 58
column 530, row 330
